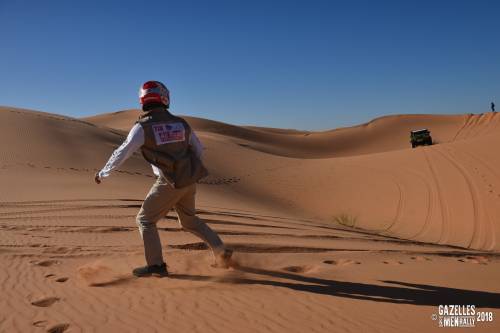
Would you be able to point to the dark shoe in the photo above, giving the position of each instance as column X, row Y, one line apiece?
column 224, row 260
column 157, row 270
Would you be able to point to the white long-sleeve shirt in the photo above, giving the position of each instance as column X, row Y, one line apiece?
column 134, row 141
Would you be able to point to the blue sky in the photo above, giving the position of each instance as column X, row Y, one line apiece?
column 291, row 64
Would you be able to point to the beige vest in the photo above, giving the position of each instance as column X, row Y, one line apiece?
column 166, row 145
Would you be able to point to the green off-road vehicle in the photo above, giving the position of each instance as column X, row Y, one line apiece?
column 420, row 137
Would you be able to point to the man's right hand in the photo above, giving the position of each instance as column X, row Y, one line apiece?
column 97, row 179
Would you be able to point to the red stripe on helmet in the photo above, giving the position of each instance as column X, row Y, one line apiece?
column 149, row 85
column 151, row 98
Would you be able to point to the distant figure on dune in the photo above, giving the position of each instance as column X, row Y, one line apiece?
column 492, row 107
column 174, row 151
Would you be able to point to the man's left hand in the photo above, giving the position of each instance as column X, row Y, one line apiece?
column 97, row 179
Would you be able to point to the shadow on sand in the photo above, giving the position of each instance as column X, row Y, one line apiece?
column 394, row 292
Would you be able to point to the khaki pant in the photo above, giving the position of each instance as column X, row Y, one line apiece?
column 161, row 198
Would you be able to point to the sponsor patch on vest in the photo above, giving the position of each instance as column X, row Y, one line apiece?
column 169, row 133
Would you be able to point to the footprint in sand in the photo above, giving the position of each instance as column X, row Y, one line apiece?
column 58, row 328
column 392, row 262
column 475, row 260
column 40, row 323
column 46, row 263
column 420, row 258
column 45, row 302
column 60, row 279
column 297, row 269
column 341, row 262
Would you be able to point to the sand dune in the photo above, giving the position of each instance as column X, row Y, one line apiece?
column 447, row 194
column 343, row 230
column 380, row 135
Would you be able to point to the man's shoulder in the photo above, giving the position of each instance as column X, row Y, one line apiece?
column 144, row 119
column 157, row 116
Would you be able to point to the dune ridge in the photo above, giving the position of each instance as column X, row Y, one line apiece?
column 382, row 134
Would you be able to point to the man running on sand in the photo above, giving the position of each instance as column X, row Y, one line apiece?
column 174, row 151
